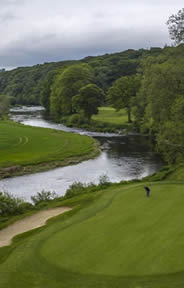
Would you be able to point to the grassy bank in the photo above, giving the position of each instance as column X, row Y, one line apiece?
column 115, row 237
column 25, row 149
column 107, row 120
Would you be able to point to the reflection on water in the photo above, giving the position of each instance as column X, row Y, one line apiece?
column 122, row 158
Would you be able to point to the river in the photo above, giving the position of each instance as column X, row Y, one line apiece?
column 123, row 157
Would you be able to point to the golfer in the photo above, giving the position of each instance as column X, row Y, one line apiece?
column 147, row 191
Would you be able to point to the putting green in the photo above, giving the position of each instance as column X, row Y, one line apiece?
column 121, row 239
column 132, row 236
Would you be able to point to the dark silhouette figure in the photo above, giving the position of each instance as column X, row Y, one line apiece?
column 147, row 191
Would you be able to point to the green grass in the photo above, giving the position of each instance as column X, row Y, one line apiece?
column 177, row 175
column 111, row 116
column 24, row 145
column 119, row 238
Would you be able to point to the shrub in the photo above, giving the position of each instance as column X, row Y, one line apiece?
column 75, row 189
column 85, row 126
column 25, row 206
column 43, row 196
column 78, row 188
column 104, row 180
column 75, row 120
column 9, row 204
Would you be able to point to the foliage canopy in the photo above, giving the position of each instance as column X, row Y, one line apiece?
column 176, row 26
column 88, row 100
column 66, row 86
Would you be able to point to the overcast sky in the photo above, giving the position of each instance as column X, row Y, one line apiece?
column 38, row 31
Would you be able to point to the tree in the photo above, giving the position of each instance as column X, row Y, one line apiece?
column 88, row 100
column 66, row 86
column 160, row 102
column 4, row 105
column 161, row 85
column 46, row 90
column 171, row 137
column 122, row 92
column 176, row 26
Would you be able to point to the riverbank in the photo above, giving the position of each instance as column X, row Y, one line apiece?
column 79, row 192
column 25, row 149
column 107, row 120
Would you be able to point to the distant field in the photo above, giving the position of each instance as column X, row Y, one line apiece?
column 120, row 239
column 24, row 145
column 110, row 115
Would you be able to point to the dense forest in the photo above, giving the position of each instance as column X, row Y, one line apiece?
column 148, row 83
column 25, row 84
column 159, row 103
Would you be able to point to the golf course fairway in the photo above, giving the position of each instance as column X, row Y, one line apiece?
column 118, row 238
column 22, row 146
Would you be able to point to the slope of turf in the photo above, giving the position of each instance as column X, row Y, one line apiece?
column 24, row 145
column 120, row 239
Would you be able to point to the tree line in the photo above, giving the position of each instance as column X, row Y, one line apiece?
column 24, row 85
column 82, row 87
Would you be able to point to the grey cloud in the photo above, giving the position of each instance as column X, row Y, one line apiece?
column 40, row 31
column 40, row 50
column 6, row 17
column 11, row 2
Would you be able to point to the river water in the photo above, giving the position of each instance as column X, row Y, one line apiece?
column 123, row 157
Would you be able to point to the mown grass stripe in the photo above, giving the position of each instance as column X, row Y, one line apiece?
column 24, row 145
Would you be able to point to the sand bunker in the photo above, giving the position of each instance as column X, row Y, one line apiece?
column 28, row 223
